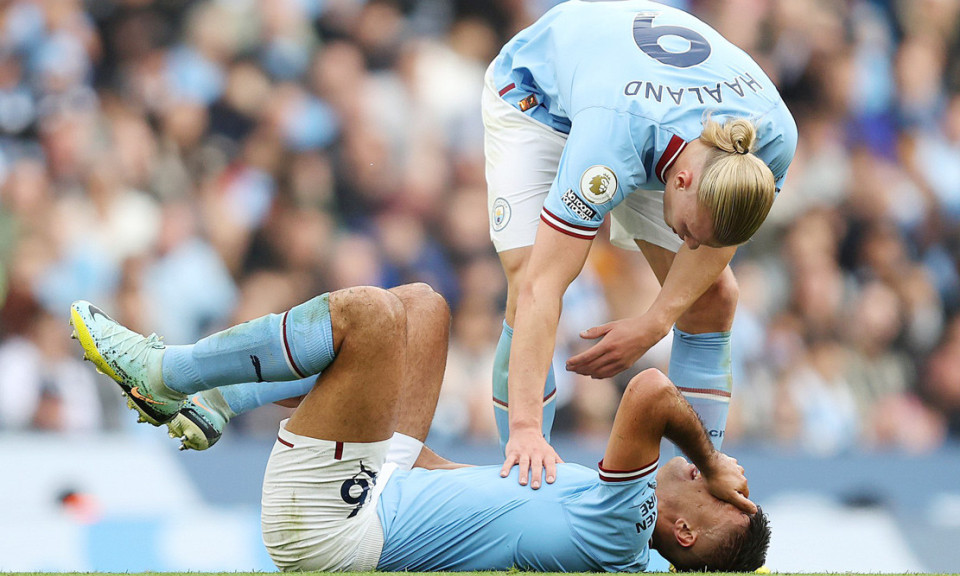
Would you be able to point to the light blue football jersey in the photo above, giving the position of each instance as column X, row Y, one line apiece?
column 472, row 519
column 631, row 82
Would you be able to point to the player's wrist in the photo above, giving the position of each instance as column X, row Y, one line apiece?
column 658, row 322
column 711, row 464
column 525, row 426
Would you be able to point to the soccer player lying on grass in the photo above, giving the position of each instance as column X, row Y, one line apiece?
column 338, row 496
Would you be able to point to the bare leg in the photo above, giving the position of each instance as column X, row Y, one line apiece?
column 432, row 461
column 701, row 361
column 428, row 330
column 357, row 398
column 391, row 351
column 514, row 264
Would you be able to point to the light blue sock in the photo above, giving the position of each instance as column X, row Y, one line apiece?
column 249, row 395
column 273, row 348
column 501, row 368
column 700, row 366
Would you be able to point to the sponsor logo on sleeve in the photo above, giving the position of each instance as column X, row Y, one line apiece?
column 500, row 215
column 598, row 184
column 578, row 206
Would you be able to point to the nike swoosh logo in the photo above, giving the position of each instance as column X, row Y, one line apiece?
column 196, row 400
column 94, row 311
column 135, row 392
column 256, row 366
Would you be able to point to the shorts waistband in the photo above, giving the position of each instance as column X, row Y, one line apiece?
column 291, row 440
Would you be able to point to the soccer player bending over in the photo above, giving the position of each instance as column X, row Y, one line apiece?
column 349, row 485
column 642, row 115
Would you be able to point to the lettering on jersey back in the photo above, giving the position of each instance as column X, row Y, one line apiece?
column 676, row 95
column 696, row 90
column 657, row 92
column 714, row 94
column 735, row 87
column 701, row 94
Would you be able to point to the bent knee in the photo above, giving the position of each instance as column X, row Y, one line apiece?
column 388, row 307
column 724, row 293
column 514, row 263
column 413, row 291
column 650, row 383
column 714, row 310
column 421, row 299
column 728, row 289
column 430, row 298
column 437, row 306
column 369, row 307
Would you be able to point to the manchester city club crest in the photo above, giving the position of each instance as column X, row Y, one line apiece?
column 598, row 184
column 500, row 215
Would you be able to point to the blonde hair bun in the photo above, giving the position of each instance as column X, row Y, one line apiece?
column 737, row 135
column 736, row 186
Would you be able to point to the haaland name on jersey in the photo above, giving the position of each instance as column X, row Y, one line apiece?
column 651, row 91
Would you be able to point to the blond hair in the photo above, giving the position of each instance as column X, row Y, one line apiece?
column 736, row 186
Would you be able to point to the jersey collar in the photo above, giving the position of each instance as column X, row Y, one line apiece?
column 669, row 156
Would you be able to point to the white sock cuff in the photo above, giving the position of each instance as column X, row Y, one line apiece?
column 404, row 450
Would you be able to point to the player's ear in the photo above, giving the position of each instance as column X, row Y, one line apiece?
column 686, row 536
column 682, row 179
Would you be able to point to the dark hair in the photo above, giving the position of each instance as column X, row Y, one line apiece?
column 744, row 551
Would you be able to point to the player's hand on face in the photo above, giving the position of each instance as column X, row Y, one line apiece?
column 528, row 449
column 622, row 343
column 725, row 480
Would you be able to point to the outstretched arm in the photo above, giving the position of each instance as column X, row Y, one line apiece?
column 684, row 279
column 652, row 408
column 555, row 261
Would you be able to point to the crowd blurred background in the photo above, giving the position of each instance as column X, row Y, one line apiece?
column 192, row 164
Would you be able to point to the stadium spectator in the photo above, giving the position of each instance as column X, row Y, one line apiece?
column 261, row 176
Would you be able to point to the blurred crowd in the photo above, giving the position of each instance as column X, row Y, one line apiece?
column 188, row 165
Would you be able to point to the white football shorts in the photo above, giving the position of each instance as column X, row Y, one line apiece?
column 522, row 156
column 319, row 506
column 640, row 217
